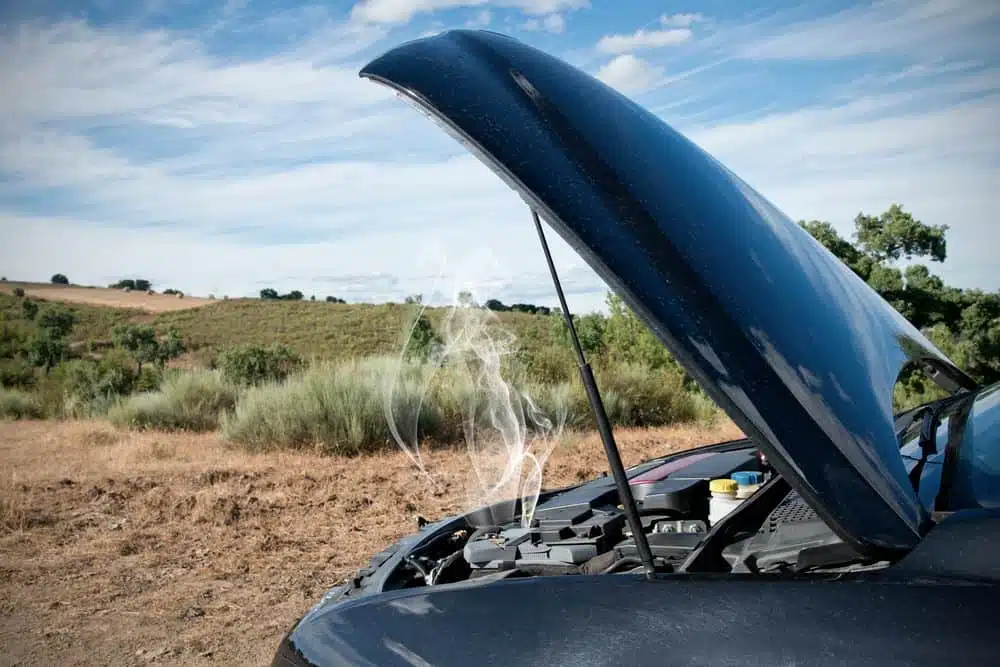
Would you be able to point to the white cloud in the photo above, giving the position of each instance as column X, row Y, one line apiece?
column 681, row 20
column 480, row 20
column 643, row 39
column 403, row 11
column 554, row 23
column 630, row 74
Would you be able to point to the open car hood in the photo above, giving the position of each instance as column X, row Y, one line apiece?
column 796, row 348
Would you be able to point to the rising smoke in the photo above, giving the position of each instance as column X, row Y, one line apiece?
column 508, row 438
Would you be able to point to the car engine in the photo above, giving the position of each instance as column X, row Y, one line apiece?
column 583, row 531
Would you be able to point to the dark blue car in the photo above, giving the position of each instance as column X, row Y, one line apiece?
column 837, row 533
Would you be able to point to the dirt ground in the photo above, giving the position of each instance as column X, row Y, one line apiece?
column 102, row 296
column 119, row 548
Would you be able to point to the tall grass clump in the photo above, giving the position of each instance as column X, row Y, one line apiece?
column 333, row 408
column 190, row 401
column 17, row 404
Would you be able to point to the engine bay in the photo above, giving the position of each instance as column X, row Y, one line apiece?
column 583, row 530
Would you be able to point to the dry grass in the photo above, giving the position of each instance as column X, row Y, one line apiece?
column 102, row 296
column 123, row 548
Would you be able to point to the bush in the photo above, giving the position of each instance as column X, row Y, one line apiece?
column 19, row 292
column 59, row 279
column 256, row 364
column 16, row 404
column 16, row 373
column 190, row 401
column 331, row 408
column 339, row 408
column 91, row 387
column 29, row 309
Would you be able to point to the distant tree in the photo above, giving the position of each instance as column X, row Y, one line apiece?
column 294, row 295
column 170, row 291
column 496, row 305
column 465, row 299
column 414, row 298
column 269, row 294
column 312, row 298
column 333, row 299
column 59, row 279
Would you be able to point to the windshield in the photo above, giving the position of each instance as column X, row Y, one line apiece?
column 976, row 480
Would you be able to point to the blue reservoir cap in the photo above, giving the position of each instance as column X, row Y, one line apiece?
column 747, row 477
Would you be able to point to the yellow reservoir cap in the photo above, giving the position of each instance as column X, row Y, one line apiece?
column 723, row 486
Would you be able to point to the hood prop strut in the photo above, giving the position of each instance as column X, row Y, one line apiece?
column 601, row 417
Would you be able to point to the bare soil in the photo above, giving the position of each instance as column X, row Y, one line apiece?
column 121, row 548
column 103, row 296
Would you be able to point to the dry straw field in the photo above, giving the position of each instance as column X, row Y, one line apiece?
column 120, row 548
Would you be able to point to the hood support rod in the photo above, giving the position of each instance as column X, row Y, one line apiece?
column 601, row 417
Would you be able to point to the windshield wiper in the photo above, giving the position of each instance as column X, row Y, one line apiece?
column 601, row 417
column 930, row 416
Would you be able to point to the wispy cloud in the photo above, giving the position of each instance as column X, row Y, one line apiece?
column 403, row 11
column 643, row 39
column 886, row 27
column 554, row 23
column 244, row 150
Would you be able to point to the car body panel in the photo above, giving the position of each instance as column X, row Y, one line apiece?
column 794, row 346
column 629, row 620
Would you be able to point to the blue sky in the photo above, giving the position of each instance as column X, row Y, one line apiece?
column 221, row 147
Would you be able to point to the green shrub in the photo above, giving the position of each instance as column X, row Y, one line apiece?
column 332, row 408
column 256, row 364
column 16, row 373
column 29, row 309
column 189, row 401
column 19, row 292
column 16, row 404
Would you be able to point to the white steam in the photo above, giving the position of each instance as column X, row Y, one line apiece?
column 509, row 438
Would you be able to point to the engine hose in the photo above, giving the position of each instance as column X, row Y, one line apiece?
column 627, row 560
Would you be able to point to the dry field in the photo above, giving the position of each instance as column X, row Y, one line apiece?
column 102, row 296
column 119, row 548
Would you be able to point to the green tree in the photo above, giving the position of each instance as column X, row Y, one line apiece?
column 896, row 234
column 59, row 279
column 145, row 347
column 56, row 322
column 139, row 340
column 46, row 350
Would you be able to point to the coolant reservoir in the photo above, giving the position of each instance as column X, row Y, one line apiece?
column 748, row 482
column 723, row 500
